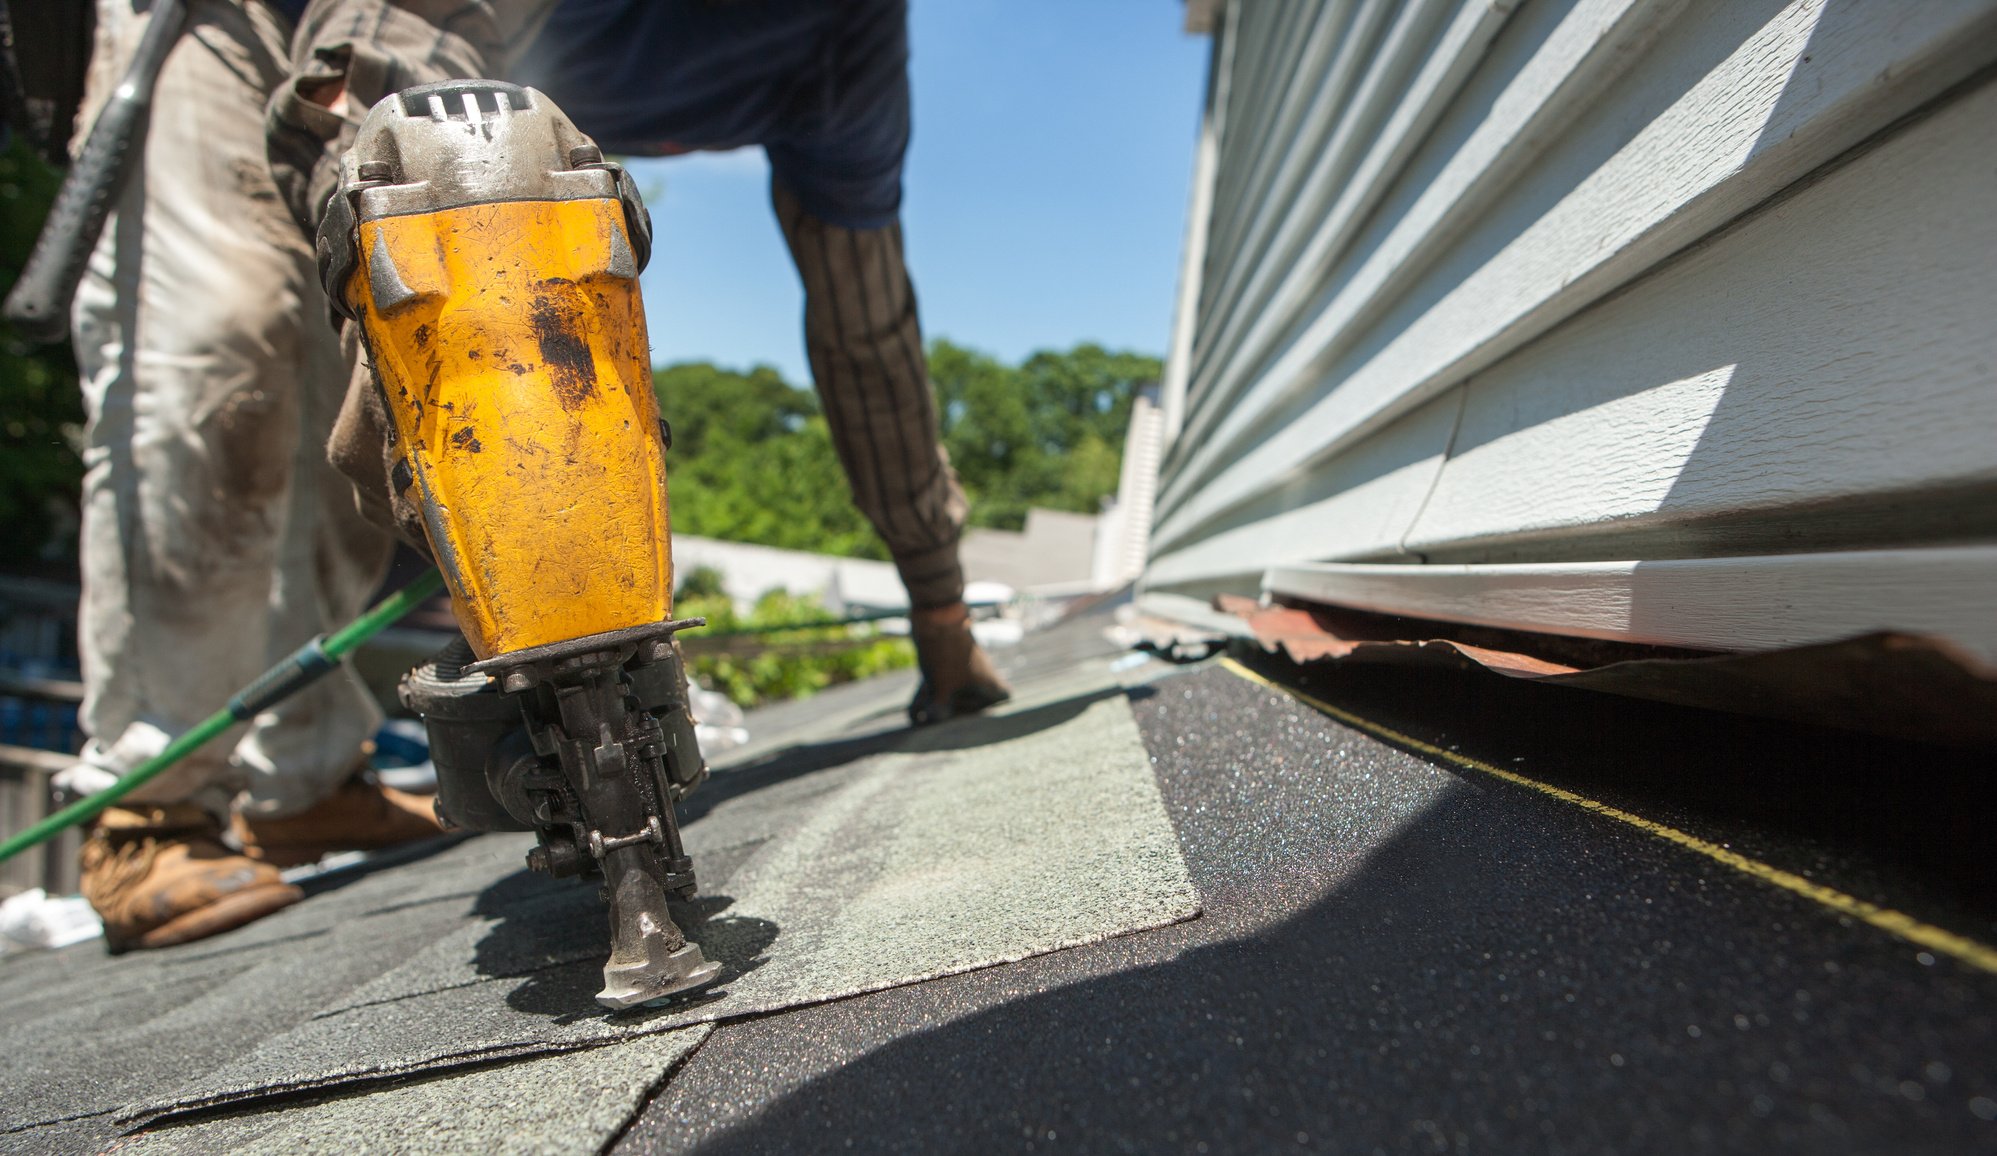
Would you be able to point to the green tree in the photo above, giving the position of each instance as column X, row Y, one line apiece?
column 700, row 582
column 41, row 410
column 752, row 461
column 1046, row 433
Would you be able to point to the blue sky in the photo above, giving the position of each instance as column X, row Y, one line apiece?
column 1045, row 192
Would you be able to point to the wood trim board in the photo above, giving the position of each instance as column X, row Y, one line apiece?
column 1746, row 603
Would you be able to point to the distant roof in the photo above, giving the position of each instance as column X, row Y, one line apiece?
column 1055, row 550
column 750, row 571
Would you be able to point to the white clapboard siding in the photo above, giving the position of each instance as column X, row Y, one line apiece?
column 1841, row 345
column 1481, row 281
column 1329, row 31
column 1535, row 95
column 1356, row 104
column 1718, row 112
column 1354, row 170
column 1363, row 502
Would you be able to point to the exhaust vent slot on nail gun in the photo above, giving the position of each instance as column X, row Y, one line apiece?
column 467, row 101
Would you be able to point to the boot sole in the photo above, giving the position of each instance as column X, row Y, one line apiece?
column 225, row 914
column 966, row 702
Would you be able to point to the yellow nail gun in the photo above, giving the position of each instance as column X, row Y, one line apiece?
column 491, row 255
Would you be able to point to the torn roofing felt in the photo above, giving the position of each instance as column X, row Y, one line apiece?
column 827, row 870
column 1902, row 686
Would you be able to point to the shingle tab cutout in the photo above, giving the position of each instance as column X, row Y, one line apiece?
column 833, row 869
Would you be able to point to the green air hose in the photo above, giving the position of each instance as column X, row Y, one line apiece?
column 304, row 667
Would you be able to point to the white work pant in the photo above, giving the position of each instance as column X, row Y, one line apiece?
column 216, row 538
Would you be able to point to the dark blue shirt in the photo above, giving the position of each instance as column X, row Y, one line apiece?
column 822, row 85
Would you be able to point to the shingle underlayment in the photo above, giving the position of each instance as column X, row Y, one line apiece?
column 856, row 860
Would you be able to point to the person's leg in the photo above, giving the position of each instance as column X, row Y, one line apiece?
column 864, row 341
column 303, row 758
column 187, row 335
column 330, row 560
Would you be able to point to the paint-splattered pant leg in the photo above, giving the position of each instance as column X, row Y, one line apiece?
column 215, row 537
column 864, row 340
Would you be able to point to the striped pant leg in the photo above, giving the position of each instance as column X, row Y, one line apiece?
column 864, row 341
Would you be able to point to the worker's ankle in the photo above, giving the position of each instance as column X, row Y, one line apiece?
column 951, row 614
column 157, row 817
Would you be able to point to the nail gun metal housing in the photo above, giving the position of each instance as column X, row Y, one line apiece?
column 490, row 255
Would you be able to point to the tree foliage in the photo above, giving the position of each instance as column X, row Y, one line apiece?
column 752, row 460
column 41, row 410
column 781, row 663
column 1048, row 432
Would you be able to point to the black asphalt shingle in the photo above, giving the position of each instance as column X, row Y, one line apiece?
column 872, row 857
column 1394, row 954
column 1391, row 958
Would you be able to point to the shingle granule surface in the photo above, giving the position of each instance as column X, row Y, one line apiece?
column 1392, row 958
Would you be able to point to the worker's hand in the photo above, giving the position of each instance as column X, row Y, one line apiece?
column 308, row 126
column 329, row 93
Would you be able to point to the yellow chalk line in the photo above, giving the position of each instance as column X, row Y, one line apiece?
column 1886, row 919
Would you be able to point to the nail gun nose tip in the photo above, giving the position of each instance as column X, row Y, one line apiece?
column 683, row 972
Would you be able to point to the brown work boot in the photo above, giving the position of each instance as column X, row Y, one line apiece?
column 362, row 815
column 957, row 677
column 160, row 876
